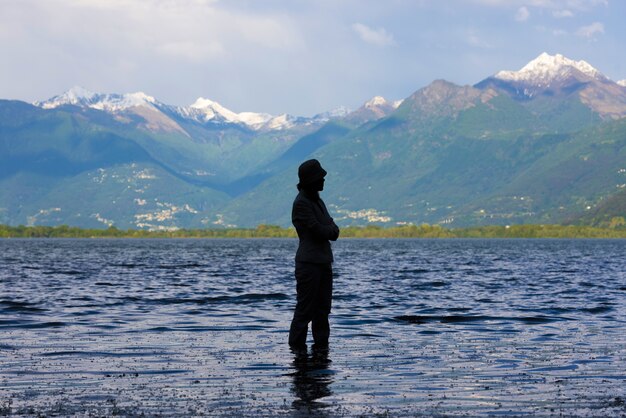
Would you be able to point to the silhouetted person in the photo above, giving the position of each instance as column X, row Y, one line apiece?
column 314, row 275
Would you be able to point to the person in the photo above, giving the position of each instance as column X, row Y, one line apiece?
column 314, row 257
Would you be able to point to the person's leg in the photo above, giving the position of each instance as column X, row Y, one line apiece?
column 320, row 326
column 307, row 284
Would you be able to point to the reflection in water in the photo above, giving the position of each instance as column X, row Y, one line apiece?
column 311, row 378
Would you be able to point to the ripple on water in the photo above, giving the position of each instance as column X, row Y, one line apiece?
column 423, row 319
column 18, row 306
column 419, row 328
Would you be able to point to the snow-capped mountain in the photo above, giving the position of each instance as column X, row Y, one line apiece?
column 139, row 163
column 555, row 77
column 378, row 102
column 376, row 108
column 81, row 97
column 546, row 75
column 622, row 83
column 206, row 110
column 339, row 112
column 548, row 68
column 203, row 111
column 152, row 112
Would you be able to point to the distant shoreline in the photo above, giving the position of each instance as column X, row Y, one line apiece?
column 371, row 231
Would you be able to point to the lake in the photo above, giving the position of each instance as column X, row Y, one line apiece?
column 419, row 327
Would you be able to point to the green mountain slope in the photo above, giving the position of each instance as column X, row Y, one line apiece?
column 136, row 195
column 453, row 155
column 457, row 156
column 577, row 175
column 610, row 212
column 83, row 168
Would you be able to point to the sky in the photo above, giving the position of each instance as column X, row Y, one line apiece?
column 300, row 57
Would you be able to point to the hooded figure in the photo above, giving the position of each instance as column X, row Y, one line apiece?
column 314, row 275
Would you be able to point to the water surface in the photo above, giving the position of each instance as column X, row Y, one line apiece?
column 199, row 327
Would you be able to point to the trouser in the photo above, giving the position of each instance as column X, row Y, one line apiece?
column 314, row 285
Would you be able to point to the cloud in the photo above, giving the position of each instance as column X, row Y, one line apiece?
column 591, row 30
column 192, row 29
column 378, row 37
column 559, row 14
column 522, row 14
column 171, row 49
column 300, row 57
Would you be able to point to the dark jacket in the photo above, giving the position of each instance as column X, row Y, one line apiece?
column 315, row 228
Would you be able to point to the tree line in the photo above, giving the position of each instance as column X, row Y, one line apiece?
column 370, row 231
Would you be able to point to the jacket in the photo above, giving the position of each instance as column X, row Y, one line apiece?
column 315, row 229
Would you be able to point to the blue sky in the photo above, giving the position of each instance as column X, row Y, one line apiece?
column 291, row 56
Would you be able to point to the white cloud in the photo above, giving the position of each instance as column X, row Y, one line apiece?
column 522, row 14
column 559, row 32
column 591, row 30
column 378, row 37
column 191, row 28
column 172, row 49
column 560, row 14
column 300, row 57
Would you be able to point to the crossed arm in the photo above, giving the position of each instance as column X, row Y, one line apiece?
column 304, row 216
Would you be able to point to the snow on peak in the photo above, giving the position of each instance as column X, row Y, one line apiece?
column 622, row 83
column 338, row 112
column 376, row 101
column 140, row 96
column 254, row 119
column 78, row 93
column 117, row 102
column 207, row 110
column 210, row 109
column 202, row 103
column 547, row 67
column 75, row 96
column 283, row 121
column 79, row 96
column 202, row 110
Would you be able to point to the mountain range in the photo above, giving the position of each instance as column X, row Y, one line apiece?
column 544, row 144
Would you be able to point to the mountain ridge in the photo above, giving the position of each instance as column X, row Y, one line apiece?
column 203, row 110
column 447, row 154
column 546, row 68
column 558, row 76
